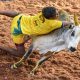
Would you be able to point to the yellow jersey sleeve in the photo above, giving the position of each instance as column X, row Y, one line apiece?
column 56, row 24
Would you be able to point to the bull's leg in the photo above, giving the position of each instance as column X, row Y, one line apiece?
column 39, row 63
column 25, row 56
column 43, row 59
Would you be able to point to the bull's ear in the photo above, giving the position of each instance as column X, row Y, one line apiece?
column 76, row 19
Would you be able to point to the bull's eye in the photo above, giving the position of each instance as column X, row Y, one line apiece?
column 73, row 33
column 71, row 26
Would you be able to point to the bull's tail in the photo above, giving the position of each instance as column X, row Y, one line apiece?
column 9, row 13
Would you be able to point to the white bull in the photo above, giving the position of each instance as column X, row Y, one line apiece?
column 60, row 39
column 55, row 41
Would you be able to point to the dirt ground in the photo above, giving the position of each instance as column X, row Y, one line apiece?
column 61, row 66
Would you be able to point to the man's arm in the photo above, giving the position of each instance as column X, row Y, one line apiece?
column 9, row 13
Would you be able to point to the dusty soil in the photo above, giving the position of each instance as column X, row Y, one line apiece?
column 61, row 66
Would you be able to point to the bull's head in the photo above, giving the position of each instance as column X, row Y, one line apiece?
column 75, row 35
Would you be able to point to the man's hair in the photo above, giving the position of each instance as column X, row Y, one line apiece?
column 49, row 12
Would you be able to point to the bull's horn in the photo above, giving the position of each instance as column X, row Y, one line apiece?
column 76, row 20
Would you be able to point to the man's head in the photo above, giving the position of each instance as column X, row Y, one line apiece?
column 49, row 12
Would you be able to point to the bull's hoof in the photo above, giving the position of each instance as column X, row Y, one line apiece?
column 13, row 66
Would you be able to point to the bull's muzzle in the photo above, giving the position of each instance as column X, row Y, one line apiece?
column 72, row 49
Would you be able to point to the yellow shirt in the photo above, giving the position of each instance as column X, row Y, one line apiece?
column 35, row 25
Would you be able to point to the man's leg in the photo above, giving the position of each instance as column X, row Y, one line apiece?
column 10, row 51
column 15, row 52
column 19, row 43
column 20, row 49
